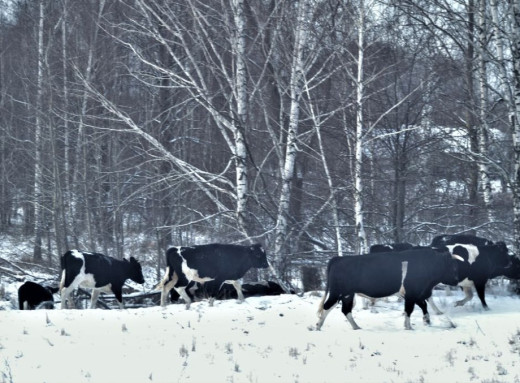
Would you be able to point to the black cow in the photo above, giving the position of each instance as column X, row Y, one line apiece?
column 463, row 239
column 32, row 295
column 379, row 248
column 463, row 263
column 381, row 275
column 513, row 272
column 213, row 262
column 98, row 272
column 485, row 262
column 196, row 290
column 252, row 289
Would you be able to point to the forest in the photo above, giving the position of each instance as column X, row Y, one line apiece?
column 315, row 127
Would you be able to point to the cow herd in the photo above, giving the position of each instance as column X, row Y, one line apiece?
column 214, row 271
column 413, row 271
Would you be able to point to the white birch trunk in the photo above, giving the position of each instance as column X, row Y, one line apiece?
column 242, row 187
column 358, row 156
column 38, row 172
column 296, row 88
column 515, row 30
column 483, row 131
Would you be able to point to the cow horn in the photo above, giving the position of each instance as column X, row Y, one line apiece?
column 457, row 257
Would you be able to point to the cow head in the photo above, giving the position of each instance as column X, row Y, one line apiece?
column 501, row 258
column 136, row 272
column 258, row 256
column 513, row 271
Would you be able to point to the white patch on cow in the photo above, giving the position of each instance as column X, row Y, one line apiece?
column 466, row 284
column 192, row 274
column 472, row 251
column 404, row 270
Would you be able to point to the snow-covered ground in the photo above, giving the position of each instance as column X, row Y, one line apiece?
column 264, row 339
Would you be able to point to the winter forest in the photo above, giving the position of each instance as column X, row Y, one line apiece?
column 315, row 127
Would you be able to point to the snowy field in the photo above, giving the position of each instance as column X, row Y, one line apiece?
column 264, row 339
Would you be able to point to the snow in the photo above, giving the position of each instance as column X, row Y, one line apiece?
column 264, row 339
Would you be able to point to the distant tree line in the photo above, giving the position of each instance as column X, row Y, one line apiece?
column 316, row 127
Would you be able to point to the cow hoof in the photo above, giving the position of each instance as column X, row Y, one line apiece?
column 486, row 308
column 459, row 303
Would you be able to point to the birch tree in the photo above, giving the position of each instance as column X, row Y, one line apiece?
column 38, row 166
column 515, row 48
column 361, row 245
column 297, row 81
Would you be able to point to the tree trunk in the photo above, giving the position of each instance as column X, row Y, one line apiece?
column 361, row 245
column 242, row 184
column 38, row 166
column 291, row 149
column 515, row 15
column 483, row 141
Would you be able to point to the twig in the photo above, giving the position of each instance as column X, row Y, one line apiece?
column 478, row 327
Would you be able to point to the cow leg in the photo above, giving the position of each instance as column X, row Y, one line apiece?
column 119, row 296
column 408, row 309
column 65, row 296
column 182, row 292
column 424, row 307
column 326, row 307
column 93, row 298
column 468, row 292
column 238, row 288
column 347, row 303
column 434, row 306
column 167, row 284
column 481, row 292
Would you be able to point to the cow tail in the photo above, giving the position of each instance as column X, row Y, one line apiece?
column 164, row 280
column 62, row 282
column 325, row 293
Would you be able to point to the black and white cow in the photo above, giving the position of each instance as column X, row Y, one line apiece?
column 99, row 272
column 485, row 262
column 32, row 295
column 219, row 263
column 381, row 274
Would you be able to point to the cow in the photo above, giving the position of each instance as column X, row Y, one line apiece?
column 99, row 272
column 513, row 272
column 463, row 239
column 485, row 262
column 196, row 290
column 252, row 289
column 379, row 248
column 32, row 295
column 463, row 264
column 220, row 263
column 381, row 274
